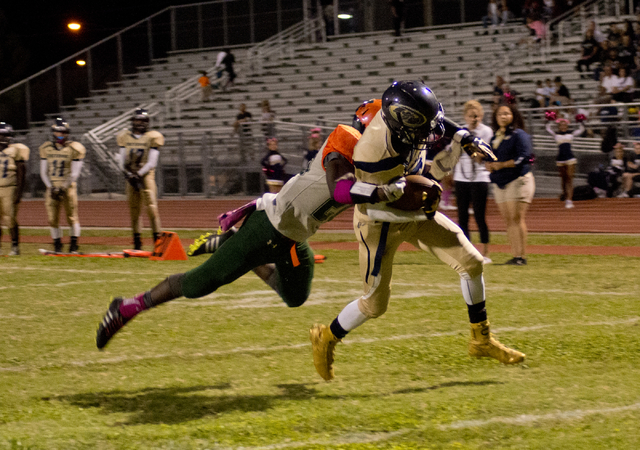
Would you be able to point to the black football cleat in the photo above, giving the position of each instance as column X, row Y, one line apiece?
column 111, row 323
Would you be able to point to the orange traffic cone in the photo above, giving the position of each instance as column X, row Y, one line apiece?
column 168, row 248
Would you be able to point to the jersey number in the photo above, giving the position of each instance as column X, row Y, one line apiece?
column 328, row 210
column 59, row 170
column 5, row 169
column 135, row 155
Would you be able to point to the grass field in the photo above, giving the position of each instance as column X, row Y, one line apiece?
column 234, row 370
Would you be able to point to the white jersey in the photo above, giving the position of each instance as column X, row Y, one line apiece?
column 305, row 203
column 469, row 171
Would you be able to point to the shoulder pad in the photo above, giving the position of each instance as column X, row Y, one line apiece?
column 156, row 139
column 43, row 148
column 22, row 153
column 121, row 136
column 78, row 150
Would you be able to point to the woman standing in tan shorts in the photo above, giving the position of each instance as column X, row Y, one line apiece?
column 511, row 174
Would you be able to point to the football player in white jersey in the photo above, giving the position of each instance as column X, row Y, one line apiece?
column 272, row 238
column 410, row 120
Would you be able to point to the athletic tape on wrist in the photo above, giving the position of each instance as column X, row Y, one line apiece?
column 342, row 192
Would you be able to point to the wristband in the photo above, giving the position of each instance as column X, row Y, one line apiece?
column 342, row 192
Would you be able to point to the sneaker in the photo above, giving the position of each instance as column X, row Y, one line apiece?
column 623, row 195
column 568, row 204
column 484, row 345
column 73, row 247
column 111, row 323
column 447, row 207
column 487, row 260
column 209, row 242
column 323, row 343
column 517, row 261
column 15, row 251
column 57, row 245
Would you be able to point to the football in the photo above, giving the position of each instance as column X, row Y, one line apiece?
column 418, row 192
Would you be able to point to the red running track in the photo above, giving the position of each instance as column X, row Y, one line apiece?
column 602, row 215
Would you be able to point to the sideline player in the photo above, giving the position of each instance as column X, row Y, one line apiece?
column 272, row 239
column 12, row 180
column 60, row 165
column 138, row 158
column 410, row 119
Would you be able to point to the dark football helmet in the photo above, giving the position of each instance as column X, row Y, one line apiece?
column 140, row 121
column 413, row 114
column 365, row 114
column 6, row 134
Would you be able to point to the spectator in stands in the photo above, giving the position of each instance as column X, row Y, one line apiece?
column 547, row 10
column 613, row 35
column 541, row 95
column 397, row 12
column 608, row 82
column 205, row 86
column 472, row 179
column 590, row 52
column 623, row 89
column 632, row 172
column 565, row 159
column 511, row 174
column 224, row 64
column 267, row 118
column 561, row 95
column 509, row 95
column 607, row 180
column 492, row 15
column 242, row 118
column 551, row 89
column 627, row 54
column 597, row 34
column 505, row 13
column 314, row 143
column 329, row 19
column 273, row 166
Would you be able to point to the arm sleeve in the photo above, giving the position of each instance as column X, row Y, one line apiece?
column 43, row 173
column 549, row 130
column 579, row 131
column 122, row 155
column 152, row 162
column 76, row 168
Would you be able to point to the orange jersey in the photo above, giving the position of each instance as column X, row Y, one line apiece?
column 342, row 140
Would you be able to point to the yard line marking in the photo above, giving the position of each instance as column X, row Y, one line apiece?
column 66, row 283
column 237, row 350
column 350, row 438
column 528, row 419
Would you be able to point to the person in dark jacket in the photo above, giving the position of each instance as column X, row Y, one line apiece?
column 511, row 174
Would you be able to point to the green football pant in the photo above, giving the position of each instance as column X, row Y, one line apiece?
column 256, row 243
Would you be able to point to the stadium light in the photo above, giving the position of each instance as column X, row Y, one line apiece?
column 74, row 26
column 345, row 16
column 81, row 62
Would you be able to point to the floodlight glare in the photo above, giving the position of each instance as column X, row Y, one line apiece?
column 345, row 16
column 81, row 62
column 74, row 26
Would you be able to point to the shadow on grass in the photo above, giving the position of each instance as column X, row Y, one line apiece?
column 173, row 405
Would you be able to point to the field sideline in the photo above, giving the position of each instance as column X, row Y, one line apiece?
column 233, row 370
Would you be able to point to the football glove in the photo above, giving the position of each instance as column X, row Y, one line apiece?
column 394, row 190
column 58, row 194
column 134, row 180
column 474, row 146
column 431, row 200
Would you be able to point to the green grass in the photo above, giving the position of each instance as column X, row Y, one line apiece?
column 234, row 369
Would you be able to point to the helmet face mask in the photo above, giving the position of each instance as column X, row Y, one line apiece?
column 6, row 134
column 140, row 121
column 413, row 114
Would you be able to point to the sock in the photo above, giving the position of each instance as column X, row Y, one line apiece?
column 349, row 319
column 472, row 288
column 337, row 329
column 130, row 307
column 477, row 312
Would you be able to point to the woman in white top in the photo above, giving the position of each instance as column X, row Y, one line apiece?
column 623, row 90
column 472, row 179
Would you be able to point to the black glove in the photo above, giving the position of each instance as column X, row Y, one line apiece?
column 58, row 194
column 134, row 180
column 476, row 146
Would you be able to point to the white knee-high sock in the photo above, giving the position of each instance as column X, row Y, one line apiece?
column 351, row 317
column 472, row 288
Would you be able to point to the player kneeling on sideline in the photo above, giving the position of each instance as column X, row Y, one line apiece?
column 139, row 152
column 60, row 166
column 272, row 238
column 12, row 164
column 394, row 145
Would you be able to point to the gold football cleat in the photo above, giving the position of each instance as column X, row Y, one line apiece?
column 323, row 343
column 483, row 344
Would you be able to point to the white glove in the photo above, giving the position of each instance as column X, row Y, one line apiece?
column 393, row 191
